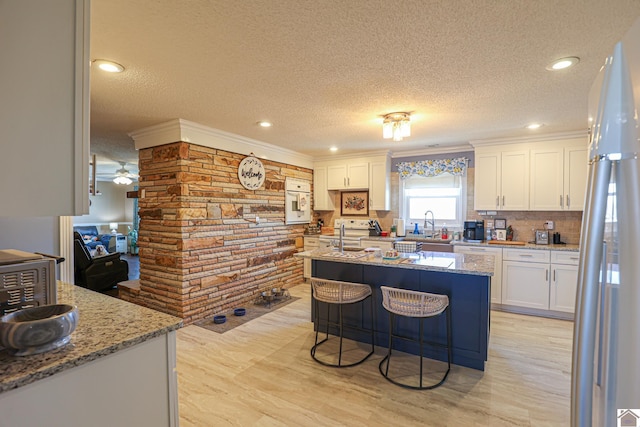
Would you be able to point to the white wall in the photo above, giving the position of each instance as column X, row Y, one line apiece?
column 111, row 206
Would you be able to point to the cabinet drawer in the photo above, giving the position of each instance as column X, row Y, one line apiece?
column 526, row 255
column 477, row 250
column 565, row 257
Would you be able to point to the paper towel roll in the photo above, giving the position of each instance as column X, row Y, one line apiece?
column 400, row 230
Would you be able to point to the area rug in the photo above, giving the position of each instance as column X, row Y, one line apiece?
column 253, row 311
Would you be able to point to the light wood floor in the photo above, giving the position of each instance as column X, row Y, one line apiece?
column 261, row 373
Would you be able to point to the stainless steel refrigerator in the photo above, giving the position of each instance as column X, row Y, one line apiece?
column 606, row 339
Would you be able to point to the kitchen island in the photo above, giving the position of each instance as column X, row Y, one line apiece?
column 464, row 278
column 118, row 369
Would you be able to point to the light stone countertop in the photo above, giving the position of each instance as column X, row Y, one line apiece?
column 106, row 325
column 550, row 247
column 479, row 265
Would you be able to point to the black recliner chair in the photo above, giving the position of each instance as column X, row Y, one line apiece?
column 98, row 274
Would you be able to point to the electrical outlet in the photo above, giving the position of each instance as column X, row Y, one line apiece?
column 549, row 225
column 257, row 219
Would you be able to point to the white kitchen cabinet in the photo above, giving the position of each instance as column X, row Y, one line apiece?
column 525, row 278
column 310, row 244
column 496, row 279
column 383, row 245
column 379, row 184
column 558, row 176
column 322, row 198
column 575, row 177
column 501, row 180
column 564, row 281
column 44, row 113
column 347, row 176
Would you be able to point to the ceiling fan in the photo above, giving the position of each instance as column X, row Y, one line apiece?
column 120, row 176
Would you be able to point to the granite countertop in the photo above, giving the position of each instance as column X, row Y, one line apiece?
column 480, row 265
column 105, row 325
column 550, row 247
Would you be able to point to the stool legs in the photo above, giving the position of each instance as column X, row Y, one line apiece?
column 341, row 327
column 387, row 358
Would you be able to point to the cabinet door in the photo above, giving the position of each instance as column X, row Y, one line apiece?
column 496, row 279
column 514, row 180
column 575, row 177
column 486, row 186
column 564, row 282
column 547, row 192
column 525, row 284
column 358, row 175
column 337, row 177
column 379, row 185
column 322, row 199
column 44, row 112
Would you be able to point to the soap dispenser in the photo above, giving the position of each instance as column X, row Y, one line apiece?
column 415, row 229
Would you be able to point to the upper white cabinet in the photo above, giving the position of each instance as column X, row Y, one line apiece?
column 44, row 112
column 379, row 182
column 549, row 174
column 558, row 175
column 322, row 199
column 364, row 173
column 348, row 176
column 501, row 179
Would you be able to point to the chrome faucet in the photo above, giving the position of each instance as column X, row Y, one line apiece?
column 432, row 222
column 342, row 237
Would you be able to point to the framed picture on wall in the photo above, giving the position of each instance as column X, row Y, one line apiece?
column 500, row 223
column 354, row 203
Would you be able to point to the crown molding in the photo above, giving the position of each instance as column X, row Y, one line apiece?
column 435, row 150
column 532, row 138
column 180, row 130
column 359, row 155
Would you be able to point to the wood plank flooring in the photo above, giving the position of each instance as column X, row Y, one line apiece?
column 261, row 373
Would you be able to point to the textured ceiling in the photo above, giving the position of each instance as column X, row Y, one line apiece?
column 325, row 71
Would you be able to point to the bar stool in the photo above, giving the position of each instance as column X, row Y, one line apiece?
column 338, row 293
column 420, row 305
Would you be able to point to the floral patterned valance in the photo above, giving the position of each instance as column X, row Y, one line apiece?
column 455, row 167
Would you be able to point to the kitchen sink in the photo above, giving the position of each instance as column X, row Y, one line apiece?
column 352, row 248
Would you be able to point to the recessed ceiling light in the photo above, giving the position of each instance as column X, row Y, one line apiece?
column 534, row 126
column 109, row 66
column 264, row 124
column 334, row 149
column 562, row 63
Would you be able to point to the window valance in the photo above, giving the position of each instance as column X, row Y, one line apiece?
column 456, row 167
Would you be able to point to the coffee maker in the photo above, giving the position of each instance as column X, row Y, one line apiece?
column 474, row 231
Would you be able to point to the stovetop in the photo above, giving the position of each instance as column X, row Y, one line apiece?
column 352, row 227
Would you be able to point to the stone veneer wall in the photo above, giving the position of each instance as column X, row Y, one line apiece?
column 201, row 250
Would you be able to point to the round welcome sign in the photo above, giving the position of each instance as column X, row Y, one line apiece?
column 251, row 173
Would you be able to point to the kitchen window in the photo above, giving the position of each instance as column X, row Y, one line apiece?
column 445, row 195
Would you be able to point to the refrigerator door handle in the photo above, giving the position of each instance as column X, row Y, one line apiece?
column 601, row 314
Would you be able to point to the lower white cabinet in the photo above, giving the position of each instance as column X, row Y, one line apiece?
column 384, row 245
column 564, row 281
column 496, row 279
column 540, row 279
column 310, row 243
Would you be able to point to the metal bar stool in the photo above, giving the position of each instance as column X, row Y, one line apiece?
column 338, row 293
column 420, row 305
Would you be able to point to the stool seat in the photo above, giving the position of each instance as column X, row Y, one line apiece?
column 338, row 293
column 404, row 302
column 419, row 305
column 335, row 292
